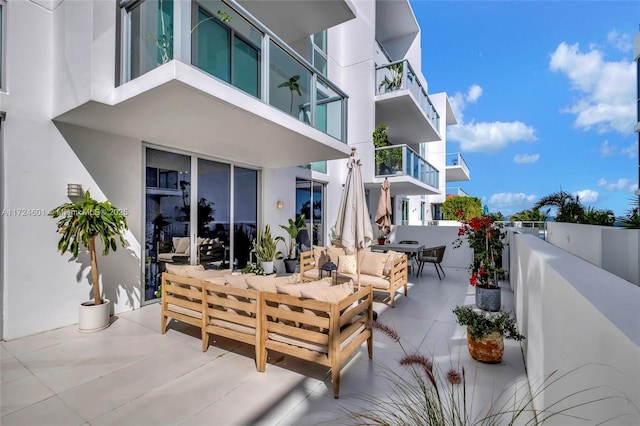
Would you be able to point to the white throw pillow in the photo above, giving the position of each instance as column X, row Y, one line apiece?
column 347, row 264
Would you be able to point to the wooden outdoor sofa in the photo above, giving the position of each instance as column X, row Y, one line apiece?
column 311, row 321
column 384, row 272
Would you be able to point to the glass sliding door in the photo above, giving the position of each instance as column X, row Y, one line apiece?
column 214, row 199
column 167, row 214
column 245, row 213
column 310, row 202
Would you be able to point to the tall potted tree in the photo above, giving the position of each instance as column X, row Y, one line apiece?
column 80, row 223
column 292, row 228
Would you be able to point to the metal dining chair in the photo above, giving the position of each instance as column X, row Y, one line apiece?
column 413, row 255
column 431, row 255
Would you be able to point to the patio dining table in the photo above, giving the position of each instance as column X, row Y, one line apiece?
column 410, row 249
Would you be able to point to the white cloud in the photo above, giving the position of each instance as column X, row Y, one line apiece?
column 621, row 183
column 606, row 149
column 631, row 150
column 526, row 158
column 484, row 136
column 622, row 42
column 587, row 196
column 606, row 88
column 512, row 200
column 490, row 136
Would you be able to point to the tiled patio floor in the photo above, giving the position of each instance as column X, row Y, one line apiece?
column 130, row 374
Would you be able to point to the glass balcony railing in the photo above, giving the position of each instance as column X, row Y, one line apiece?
column 228, row 43
column 400, row 76
column 456, row 190
column 402, row 160
column 456, row 159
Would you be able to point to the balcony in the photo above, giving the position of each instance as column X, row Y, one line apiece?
column 456, row 190
column 408, row 173
column 209, row 77
column 457, row 169
column 403, row 104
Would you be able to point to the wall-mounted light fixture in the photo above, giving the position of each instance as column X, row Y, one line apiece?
column 74, row 190
column 280, row 204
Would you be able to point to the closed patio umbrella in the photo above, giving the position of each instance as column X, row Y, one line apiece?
column 383, row 214
column 353, row 225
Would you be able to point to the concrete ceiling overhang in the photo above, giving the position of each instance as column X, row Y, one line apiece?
column 292, row 20
column 408, row 124
column 394, row 20
column 402, row 185
column 456, row 173
column 180, row 107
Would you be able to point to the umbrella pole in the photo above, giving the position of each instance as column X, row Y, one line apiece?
column 358, row 265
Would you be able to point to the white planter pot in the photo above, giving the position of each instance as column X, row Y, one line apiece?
column 94, row 318
column 268, row 267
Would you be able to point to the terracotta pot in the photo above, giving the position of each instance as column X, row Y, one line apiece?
column 381, row 241
column 489, row 348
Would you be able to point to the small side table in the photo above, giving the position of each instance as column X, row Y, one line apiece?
column 331, row 270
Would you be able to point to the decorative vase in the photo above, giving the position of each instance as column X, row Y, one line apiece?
column 489, row 348
column 488, row 298
column 94, row 317
column 268, row 267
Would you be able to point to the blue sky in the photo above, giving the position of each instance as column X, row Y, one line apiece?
column 544, row 94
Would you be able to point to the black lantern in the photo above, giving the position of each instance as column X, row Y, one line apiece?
column 331, row 270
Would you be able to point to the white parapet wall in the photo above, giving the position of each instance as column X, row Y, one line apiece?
column 616, row 250
column 576, row 315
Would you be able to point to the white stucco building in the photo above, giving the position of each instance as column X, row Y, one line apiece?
column 159, row 105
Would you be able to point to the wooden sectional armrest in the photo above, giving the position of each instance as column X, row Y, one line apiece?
column 307, row 262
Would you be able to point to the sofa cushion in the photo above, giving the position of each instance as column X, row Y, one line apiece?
column 183, row 270
column 182, row 246
column 215, row 276
column 320, row 255
column 312, row 274
column 236, row 280
column 268, row 282
column 329, row 294
column 392, row 256
column 296, row 289
column 347, row 264
column 334, row 254
column 375, row 282
column 373, row 263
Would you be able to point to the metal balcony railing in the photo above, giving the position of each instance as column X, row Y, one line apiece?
column 456, row 159
column 397, row 160
column 456, row 190
column 399, row 75
column 224, row 40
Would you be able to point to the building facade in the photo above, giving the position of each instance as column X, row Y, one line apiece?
column 202, row 121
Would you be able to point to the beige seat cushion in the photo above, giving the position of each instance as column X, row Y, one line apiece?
column 183, row 270
column 375, row 282
column 312, row 274
column 392, row 256
column 182, row 246
column 334, row 254
column 208, row 274
column 295, row 289
column 268, row 282
column 328, row 294
column 236, row 280
column 185, row 311
column 373, row 263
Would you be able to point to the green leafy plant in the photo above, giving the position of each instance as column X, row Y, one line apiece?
column 395, row 82
column 266, row 246
column 470, row 206
column 252, row 268
column 81, row 222
column 293, row 228
column 482, row 323
column 293, row 86
column 632, row 219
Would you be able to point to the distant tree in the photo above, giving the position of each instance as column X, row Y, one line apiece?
column 632, row 219
column 531, row 215
column 470, row 206
column 497, row 217
column 598, row 217
column 568, row 206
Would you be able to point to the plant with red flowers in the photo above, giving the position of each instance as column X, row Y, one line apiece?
column 485, row 237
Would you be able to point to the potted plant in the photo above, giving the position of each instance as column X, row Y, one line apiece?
column 81, row 222
column 266, row 248
column 485, row 239
column 292, row 228
column 381, row 237
column 486, row 332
